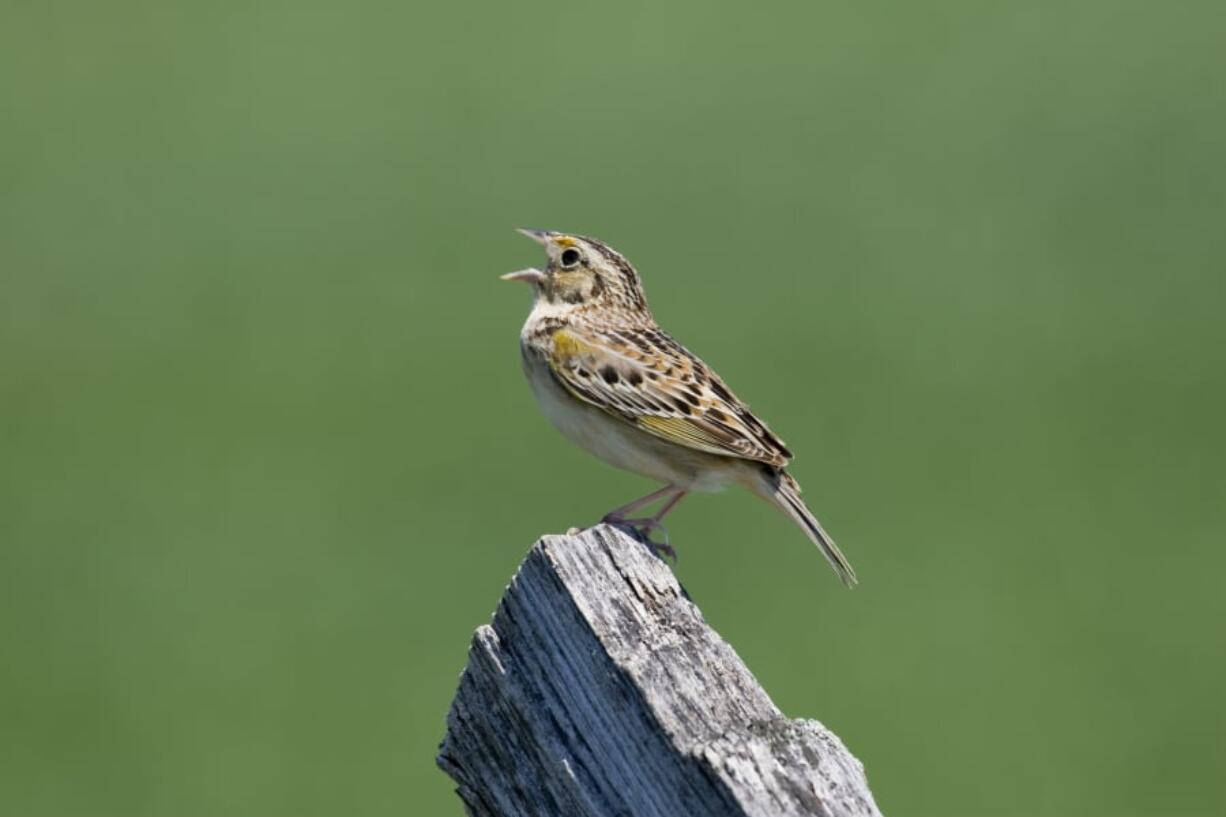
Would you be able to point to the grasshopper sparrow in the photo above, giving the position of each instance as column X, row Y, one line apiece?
column 619, row 387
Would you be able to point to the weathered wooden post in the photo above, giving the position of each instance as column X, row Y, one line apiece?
column 599, row 690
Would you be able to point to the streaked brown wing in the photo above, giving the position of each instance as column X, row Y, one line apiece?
column 644, row 377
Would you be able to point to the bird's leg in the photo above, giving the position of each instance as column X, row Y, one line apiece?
column 617, row 515
column 646, row 525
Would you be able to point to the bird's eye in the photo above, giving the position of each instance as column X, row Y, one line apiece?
column 570, row 258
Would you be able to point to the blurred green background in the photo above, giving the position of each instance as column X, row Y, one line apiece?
column 267, row 459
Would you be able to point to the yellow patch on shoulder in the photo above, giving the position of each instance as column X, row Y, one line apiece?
column 567, row 345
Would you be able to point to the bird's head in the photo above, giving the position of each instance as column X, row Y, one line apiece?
column 582, row 271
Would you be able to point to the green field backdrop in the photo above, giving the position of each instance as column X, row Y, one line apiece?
column 267, row 458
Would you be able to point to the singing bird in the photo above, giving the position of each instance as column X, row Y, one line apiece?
column 618, row 386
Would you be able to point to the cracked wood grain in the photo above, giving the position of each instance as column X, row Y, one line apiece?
column 599, row 690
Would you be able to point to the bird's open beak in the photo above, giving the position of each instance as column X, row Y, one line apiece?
column 531, row 275
column 539, row 236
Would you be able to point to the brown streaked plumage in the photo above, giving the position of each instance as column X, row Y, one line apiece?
column 620, row 387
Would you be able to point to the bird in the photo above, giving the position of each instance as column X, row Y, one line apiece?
column 618, row 386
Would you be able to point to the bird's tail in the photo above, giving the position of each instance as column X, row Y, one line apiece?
column 777, row 487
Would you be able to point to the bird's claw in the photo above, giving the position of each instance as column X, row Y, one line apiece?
column 661, row 549
column 642, row 529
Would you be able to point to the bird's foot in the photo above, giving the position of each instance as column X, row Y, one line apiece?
column 642, row 529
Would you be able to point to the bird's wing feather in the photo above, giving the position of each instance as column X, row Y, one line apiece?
column 644, row 377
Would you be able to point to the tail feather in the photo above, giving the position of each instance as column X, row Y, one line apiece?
column 780, row 489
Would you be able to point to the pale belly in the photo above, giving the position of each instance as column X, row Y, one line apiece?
column 620, row 444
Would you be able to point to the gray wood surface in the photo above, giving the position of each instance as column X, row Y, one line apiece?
column 599, row 689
